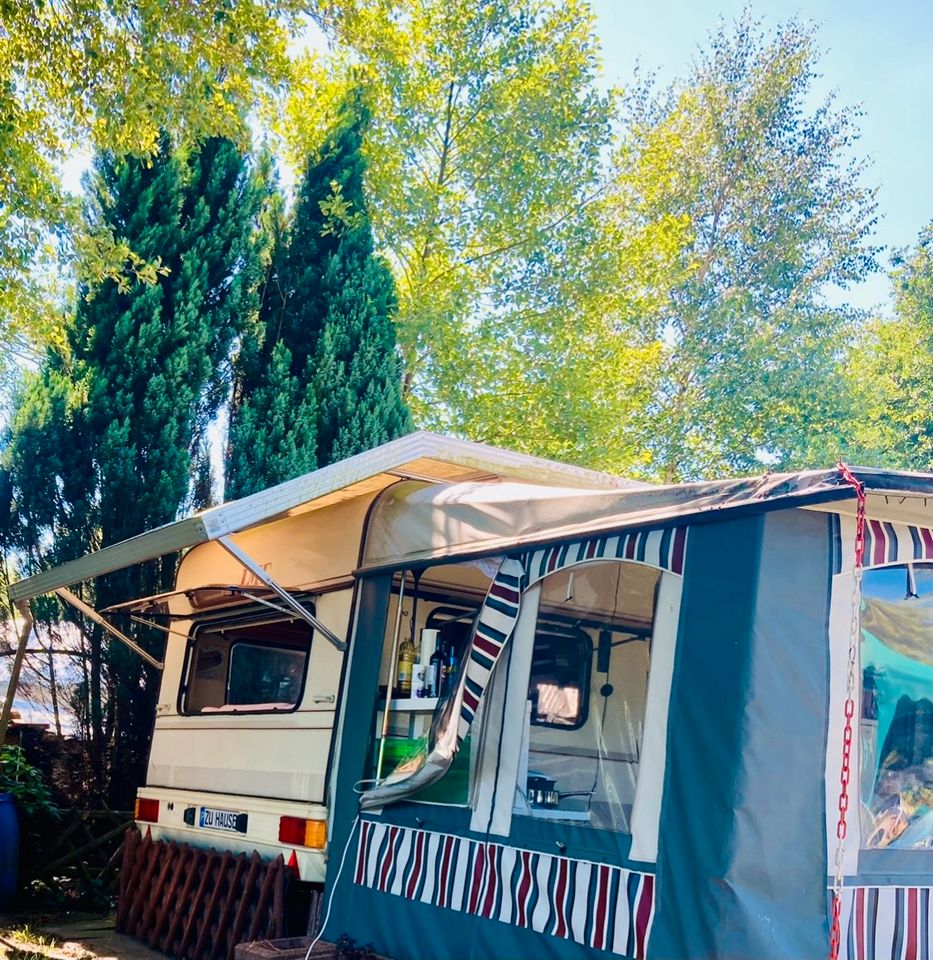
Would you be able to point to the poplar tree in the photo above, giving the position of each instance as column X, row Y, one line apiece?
column 320, row 378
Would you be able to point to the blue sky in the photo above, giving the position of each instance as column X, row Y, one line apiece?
column 877, row 55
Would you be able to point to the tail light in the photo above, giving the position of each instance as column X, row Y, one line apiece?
column 147, row 810
column 304, row 833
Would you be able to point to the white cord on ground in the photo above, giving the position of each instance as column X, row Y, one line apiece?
column 333, row 889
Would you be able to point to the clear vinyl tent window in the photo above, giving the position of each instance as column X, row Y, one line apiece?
column 257, row 667
column 587, row 694
column 896, row 711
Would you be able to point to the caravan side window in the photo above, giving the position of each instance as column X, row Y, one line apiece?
column 255, row 667
column 896, row 717
column 587, row 694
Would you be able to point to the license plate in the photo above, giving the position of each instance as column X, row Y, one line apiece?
column 223, row 820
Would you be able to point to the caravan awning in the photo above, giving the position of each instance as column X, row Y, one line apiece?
column 423, row 456
column 414, row 523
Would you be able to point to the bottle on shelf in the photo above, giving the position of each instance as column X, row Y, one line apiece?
column 406, row 662
column 426, row 660
column 436, row 672
column 450, row 669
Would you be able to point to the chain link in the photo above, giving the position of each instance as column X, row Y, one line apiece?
column 845, row 773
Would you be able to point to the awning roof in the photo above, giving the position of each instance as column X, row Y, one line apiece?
column 422, row 455
column 415, row 523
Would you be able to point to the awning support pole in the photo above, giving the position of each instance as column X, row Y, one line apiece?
column 92, row 614
column 257, row 571
column 26, row 614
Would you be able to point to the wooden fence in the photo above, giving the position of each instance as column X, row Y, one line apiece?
column 198, row 904
column 86, row 853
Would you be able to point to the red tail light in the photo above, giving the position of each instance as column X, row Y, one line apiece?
column 304, row 833
column 147, row 810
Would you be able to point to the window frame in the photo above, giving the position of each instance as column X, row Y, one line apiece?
column 577, row 634
column 240, row 622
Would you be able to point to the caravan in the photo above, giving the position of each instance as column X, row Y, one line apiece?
column 503, row 708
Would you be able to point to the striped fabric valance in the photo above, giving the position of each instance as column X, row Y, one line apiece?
column 657, row 548
column 886, row 923
column 885, row 542
column 593, row 904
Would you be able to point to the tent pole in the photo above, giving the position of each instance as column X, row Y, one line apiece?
column 393, row 662
column 26, row 613
column 263, row 577
column 92, row 614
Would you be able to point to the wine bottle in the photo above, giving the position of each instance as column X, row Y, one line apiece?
column 406, row 661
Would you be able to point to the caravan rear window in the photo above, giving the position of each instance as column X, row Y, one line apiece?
column 247, row 668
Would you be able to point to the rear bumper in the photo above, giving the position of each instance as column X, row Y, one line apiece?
column 261, row 831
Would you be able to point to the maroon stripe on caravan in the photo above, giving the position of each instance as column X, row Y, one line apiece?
column 445, row 872
column 524, row 885
column 927, row 536
column 631, row 541
column 860, row 922
column 504, row 592
column 492, row 878
column 590, row 550
column 416, row 870
column 470, row 699
column 599, row 934
column 361, row 856
column 879, row 553
column 677, row 554
column 551, row 564
column 643, row 915
column 487, row 645
column 479, row 863
column 910, row 953
column 560, row 899
column 387, row 863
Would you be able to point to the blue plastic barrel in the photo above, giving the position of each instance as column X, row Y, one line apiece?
column 9, row 850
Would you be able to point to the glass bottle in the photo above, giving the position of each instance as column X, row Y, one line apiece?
column 406, row 662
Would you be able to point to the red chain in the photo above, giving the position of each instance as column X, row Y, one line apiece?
column 835, row 932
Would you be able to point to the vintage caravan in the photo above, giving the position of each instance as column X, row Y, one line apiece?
column 572, row 719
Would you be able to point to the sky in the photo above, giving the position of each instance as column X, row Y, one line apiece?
column 876, row 55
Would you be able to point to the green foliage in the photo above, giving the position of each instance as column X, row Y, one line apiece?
column 772, row 212
column 81, row 73
column 486, row 135
column 25, row 784
column 891, row 369
column 319, row 379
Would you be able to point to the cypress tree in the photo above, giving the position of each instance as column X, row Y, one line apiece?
column 322, row 381
column 119, row 413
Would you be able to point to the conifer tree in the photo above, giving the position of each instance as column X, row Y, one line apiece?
column 118, row 414
column 321, row 379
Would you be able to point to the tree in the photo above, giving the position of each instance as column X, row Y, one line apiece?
column 485, row 142
column 105, row 438
column 891, row 369
column 320, row 380
column 112, row 75
column 774, row 212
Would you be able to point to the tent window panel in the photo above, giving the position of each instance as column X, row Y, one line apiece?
column 247, row 668
column 587, row 694
column 437, row 617
column 896, row 717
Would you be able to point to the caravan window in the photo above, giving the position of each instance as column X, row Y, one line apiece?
column 896, row 716
column 587, row 694
column 255, row 667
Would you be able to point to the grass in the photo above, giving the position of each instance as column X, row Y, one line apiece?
column 25, row 943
